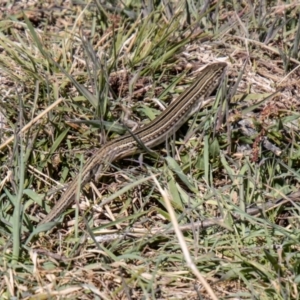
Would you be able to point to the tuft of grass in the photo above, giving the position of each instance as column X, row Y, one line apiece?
column 69, row 74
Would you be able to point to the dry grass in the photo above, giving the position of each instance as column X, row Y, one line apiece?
column 67, row 70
